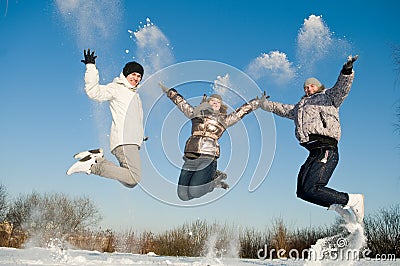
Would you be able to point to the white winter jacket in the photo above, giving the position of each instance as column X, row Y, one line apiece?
column 125, row 105
column 317, row 114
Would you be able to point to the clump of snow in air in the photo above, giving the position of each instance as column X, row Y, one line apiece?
column 90, row 19
column 153, row 48
column 314, row 41
column 221, row 85
column 274, row 65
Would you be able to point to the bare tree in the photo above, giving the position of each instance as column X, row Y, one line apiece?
column 52, row 213
column 3, row 202
column 383, row 231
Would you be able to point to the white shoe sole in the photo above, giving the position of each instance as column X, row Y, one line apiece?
column 345, row 213
column 78, row 168
column 96, row 153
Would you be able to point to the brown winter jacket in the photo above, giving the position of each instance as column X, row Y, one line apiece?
column 208, row 128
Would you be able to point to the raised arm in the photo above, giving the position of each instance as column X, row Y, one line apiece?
column 283, row 110
column 341, row 89
column 178, row 99
column 93, row 89
column 240, row 112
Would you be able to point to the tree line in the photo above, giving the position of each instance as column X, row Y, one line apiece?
column 43, row 220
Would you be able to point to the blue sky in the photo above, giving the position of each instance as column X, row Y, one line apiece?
column 259, row 45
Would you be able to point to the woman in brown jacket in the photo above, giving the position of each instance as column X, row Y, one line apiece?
column 199, row 174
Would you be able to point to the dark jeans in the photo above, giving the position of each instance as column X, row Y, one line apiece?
column 314, row 176
column 195, row 178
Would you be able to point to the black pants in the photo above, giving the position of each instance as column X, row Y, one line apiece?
column 314, row 175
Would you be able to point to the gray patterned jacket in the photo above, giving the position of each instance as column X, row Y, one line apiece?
column 318, row 113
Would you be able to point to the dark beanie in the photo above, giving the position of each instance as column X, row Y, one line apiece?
column 131, row 67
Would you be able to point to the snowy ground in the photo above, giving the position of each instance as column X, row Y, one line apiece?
column 333, row 250
column 54, row 256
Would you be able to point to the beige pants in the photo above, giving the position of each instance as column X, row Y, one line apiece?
column 129, row 171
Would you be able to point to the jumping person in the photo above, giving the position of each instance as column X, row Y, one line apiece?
column 199, row 174
column 316, row 117
column 126, row 134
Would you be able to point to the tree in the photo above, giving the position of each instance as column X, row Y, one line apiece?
column 52, row 213
column 3, row 202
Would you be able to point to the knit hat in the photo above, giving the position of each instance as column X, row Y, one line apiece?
column 216, row 96
column 313, row 81
column 131, row 67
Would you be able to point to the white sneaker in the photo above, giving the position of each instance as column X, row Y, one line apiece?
column 345, row 213
column 83, row 165
column 356, row 204
column 98, row 153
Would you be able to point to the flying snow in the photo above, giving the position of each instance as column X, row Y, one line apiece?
column 90, row 19
column 221, row 84
column 274, row 65
column 314, row 41
column 152, row 47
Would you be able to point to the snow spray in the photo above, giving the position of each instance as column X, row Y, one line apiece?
column 341, row 249
column 153, row 48
column 222, row 243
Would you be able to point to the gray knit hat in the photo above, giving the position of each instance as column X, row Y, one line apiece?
column 313, row 81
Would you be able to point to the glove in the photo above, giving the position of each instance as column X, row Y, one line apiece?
column 203, row 109
column 264, row 97
column 348, row 66
column 90, row 58
column 204, row 99
column 163, row 87
column 263, row 101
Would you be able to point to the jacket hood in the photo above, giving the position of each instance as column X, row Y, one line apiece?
column 123, row 81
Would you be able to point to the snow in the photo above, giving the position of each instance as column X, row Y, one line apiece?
column 55, row 256
column 333, row 250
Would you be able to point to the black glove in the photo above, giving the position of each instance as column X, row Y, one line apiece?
column 90, row 58
column 348, row 66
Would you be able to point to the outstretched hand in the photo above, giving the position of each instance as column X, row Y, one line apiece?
column 90, row 58
column 264, row 97
column 164, row 88
column 263, row 101
column 204, row 99
column 348, row 66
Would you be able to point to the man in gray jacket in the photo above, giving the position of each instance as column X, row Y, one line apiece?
column 316, row 118
column 126, row 134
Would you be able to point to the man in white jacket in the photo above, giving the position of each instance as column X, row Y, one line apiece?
column 126, row 135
